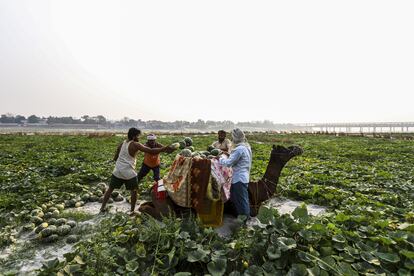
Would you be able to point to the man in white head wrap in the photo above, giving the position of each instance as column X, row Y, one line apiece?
column 240, row 160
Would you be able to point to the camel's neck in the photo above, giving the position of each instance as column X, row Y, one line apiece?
column 272, row 173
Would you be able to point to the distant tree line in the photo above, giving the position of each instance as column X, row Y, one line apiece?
column 128, row 122
column 33, row 119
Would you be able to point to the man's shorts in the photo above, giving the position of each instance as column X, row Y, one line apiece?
column 130, row 184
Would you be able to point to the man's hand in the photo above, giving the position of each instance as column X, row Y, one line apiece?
column 225, row 153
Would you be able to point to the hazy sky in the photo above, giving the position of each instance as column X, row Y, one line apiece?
column 286, row 61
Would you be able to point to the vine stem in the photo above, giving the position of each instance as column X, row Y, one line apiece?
column 156, row 253
column 322, row 261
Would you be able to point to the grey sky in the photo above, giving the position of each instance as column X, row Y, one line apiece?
column 286, row 61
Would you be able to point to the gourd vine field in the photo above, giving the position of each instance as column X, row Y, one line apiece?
column 366, row 184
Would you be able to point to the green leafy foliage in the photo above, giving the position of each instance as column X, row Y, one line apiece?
column 366, row 184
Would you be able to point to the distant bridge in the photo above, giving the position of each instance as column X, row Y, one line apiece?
column 363, row 127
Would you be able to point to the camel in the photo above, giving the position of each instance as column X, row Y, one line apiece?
column 259, row 191
column 265, row 188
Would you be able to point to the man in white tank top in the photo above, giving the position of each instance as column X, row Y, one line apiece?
column 124, row 171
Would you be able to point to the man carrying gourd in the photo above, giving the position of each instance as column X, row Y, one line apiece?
column 124, row 171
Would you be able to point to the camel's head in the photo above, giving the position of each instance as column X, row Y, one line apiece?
column 285, row 154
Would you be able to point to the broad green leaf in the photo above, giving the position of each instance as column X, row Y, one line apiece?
column 69, row 256
column 347, row 257
column 347, row 269
column 339, row 238
column 341, row 217
column 352, row 250
column 52, row 263
column 303, row 256
column 404, row 272
column 286, row 243
column 196, row 255
column 269, row 268
column 295, row 227
column 253, row 270
column 309, row 236
column 266, row 215
column 382, row 223
column 191, row 244
column 219, row 253
column 339, row 246
column 316, row 271
column 217, row 267
column 326, row 251
column 140, row 250
column 281, row 263
column 388, row 257
column 363, row 247
column 363, row 267
column 313, row 271
column 184, row 235
column 122, row 238
column 297, row 270
column 368, row 257
column 327, row 263
column 132, row 266
column 318, row 227
column 120, row 270
column 273, row 252
column 358, row 218
column 70, row 269
column 409, row 263
column 384, row 240
column 399, row 236
column 300, row 212
column 407, row 253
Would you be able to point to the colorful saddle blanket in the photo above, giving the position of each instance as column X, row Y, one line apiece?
column 202, row 184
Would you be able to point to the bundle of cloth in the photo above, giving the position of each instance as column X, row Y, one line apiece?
column 177, row 182
column 201, row 184
column 220, row 181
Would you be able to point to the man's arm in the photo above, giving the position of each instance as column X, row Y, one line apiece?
column 234, row 157
column 118, row 149
column 159, row 145
column 140, row 147
column 229, row 145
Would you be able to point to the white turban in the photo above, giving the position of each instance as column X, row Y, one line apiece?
column 238, row 136
column 239, row 139
column 151, row 137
